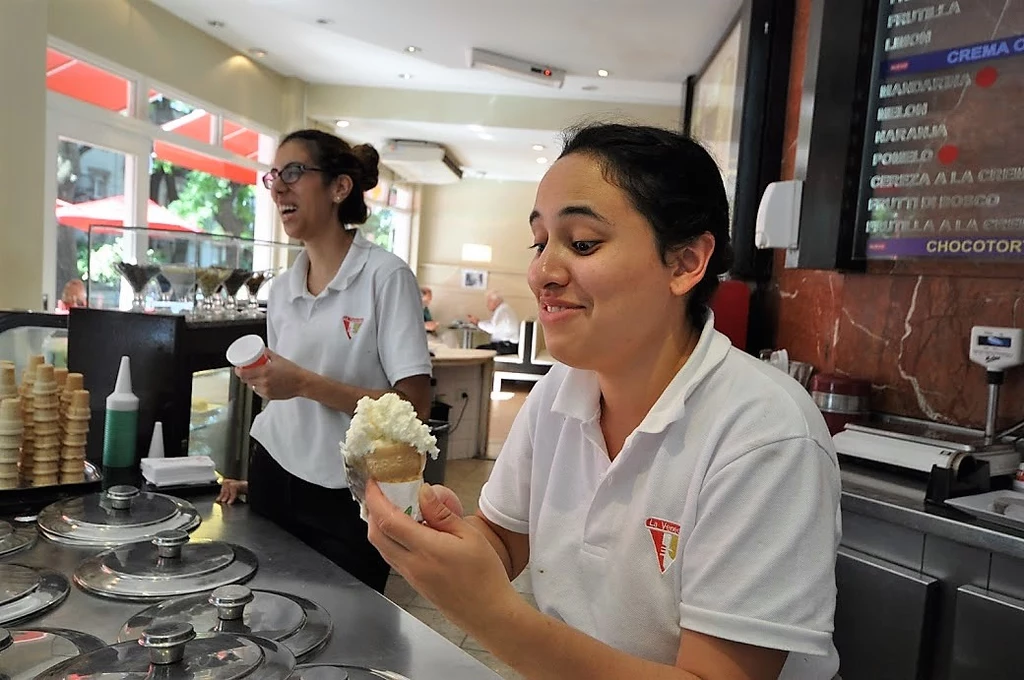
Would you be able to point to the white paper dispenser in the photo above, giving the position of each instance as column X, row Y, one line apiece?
column 778, row 216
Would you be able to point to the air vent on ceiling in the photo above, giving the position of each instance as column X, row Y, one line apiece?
column 420, row 162
column 516, row 68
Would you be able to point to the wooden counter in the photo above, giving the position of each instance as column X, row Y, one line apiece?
column 447, row 356
column 464, row 378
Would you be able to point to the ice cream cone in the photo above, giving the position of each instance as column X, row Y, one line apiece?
column 386, row 441
column 395, row 462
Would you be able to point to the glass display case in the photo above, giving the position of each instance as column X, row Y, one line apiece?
column 201, row 276
column 26, row 334
column 180, row 375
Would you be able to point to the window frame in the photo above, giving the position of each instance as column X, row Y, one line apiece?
column 114, row 130
column 403, row 247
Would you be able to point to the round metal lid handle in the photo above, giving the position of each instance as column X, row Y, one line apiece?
column 121, row 496
column 166, row 642
column 230, row 601
column 6, row 639
column 169, row 543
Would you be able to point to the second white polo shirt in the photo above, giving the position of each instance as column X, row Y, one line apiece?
column 719, row 515
column 365, row 329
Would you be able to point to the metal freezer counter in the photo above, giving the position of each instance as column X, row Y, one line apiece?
column 369, row 630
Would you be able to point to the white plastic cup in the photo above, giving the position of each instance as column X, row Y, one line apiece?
column 248, row 351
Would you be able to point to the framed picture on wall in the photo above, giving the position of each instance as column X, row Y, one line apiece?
column 475, row 279
column 736, row 107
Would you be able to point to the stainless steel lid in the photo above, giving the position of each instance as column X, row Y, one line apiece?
column 174, row 652
column 27, row 591
column 15, row 539
column 299, row 624
column 168, row 566
column 337, row 671
column 119, row 515
column 26, row 653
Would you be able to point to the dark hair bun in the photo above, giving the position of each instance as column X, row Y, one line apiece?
column 369, row 159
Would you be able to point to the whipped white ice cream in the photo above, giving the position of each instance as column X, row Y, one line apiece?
column 386, row 420
column 386, row 440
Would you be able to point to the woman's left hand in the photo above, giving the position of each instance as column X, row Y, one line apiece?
column 439, row 557
column 276, row 379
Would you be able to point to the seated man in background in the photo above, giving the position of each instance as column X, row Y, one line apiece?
column 427, row 296
column 503, row 325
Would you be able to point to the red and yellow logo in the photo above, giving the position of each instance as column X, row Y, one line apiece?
column 352, row 325
column 665, row 535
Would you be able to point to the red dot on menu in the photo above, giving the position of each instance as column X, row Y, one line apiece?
column 986, row 77
column 948, row 154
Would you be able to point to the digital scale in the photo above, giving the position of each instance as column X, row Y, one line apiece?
column 922, row 446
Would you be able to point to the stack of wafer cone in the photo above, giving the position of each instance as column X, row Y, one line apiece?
column 73, row 383
column 76, row 432
column 27, row 390
column 46, row 429
column 8, row 383
column 11, row 428
column 60, row 374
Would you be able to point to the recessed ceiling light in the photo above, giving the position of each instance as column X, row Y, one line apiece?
column 215, row 23
column 589, row 88
column 601, row 72
column 343, row 123
column 542, row 160
column 538, row 147
column 405, row 76
column 323, row 21
column 411, row 49
column 257, row 52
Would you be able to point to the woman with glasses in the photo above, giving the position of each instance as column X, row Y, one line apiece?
column 344, row 322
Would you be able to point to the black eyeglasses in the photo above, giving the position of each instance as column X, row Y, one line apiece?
column 289, row 174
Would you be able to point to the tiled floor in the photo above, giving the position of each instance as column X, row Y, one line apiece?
column 465, row 478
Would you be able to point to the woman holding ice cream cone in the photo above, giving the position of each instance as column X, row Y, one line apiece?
column 343, row 323
column 677, row 500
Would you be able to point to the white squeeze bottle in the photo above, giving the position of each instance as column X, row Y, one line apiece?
column 121, row 425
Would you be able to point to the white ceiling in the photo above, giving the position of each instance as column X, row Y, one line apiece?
column 648, row 46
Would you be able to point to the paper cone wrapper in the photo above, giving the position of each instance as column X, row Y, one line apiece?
column 398, row 469
column 405, row 495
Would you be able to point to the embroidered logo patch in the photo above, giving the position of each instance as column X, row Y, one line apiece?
column 352, row 325
column 665, row 535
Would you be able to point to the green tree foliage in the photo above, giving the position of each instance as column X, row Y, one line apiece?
column 214, row 204
column 378, row 228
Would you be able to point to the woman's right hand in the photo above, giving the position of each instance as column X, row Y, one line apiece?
column 231, row 489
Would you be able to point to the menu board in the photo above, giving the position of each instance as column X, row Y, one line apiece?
column 943, row 172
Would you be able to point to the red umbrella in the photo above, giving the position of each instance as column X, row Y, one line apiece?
column 111, row 212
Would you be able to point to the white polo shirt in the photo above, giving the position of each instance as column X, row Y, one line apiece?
column 364, row 329
column 719, row 515
column 503, row 325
